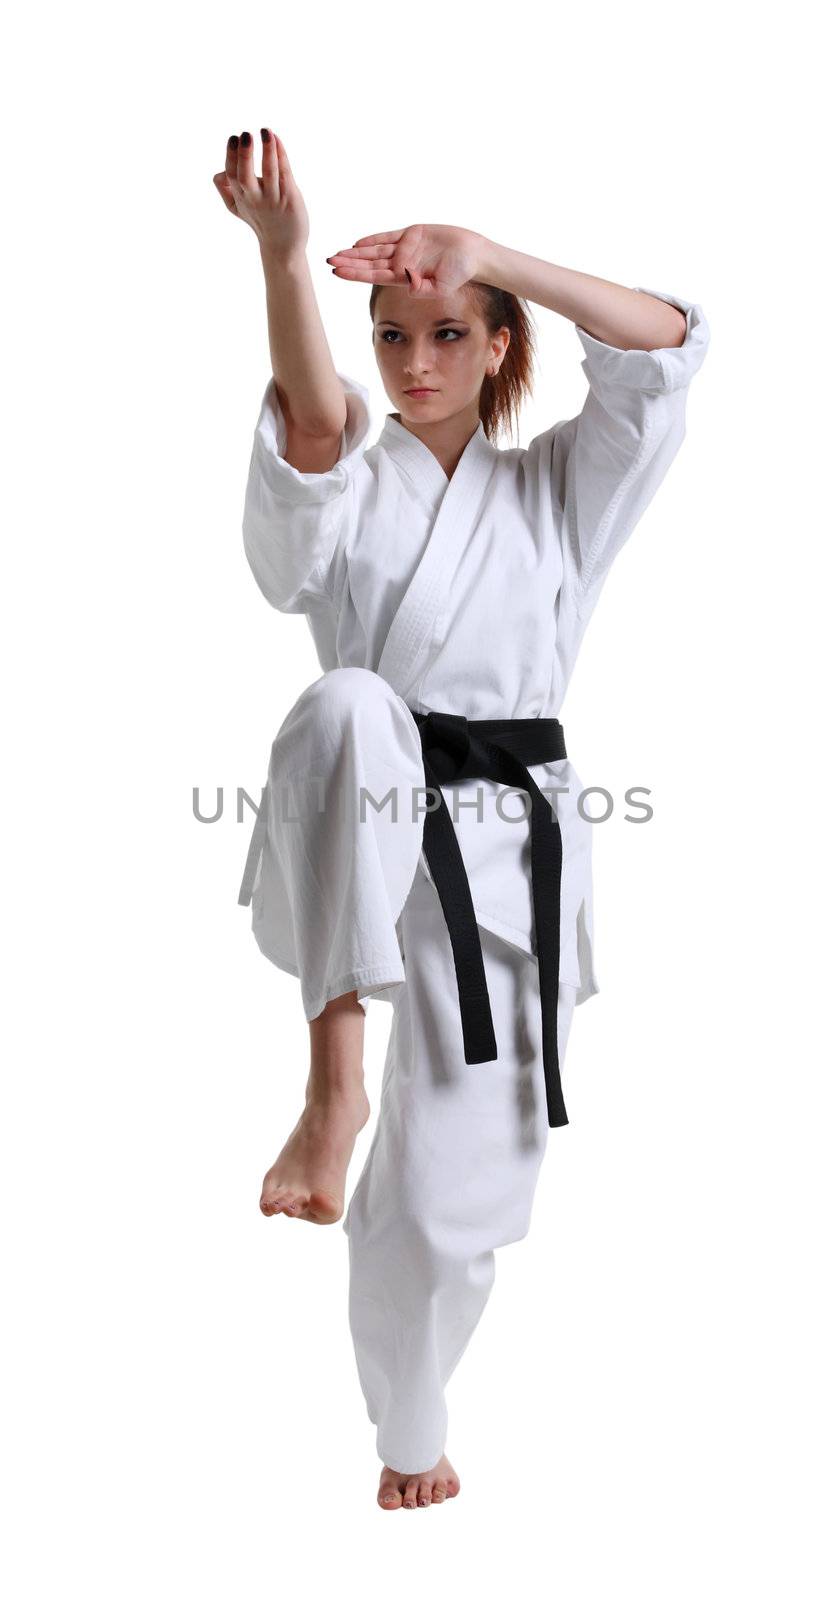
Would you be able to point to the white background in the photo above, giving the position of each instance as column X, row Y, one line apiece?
column 649, row 1402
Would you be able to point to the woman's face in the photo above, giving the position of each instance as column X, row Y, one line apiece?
column 441, row 344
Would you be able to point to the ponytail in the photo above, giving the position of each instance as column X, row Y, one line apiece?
column 501, row 395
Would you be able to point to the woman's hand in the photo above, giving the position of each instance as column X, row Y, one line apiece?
column 272, row 205
column 428, row 258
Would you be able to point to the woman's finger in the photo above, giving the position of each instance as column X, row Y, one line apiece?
column 365, row 274
column 224, row 187
column 244, row 165
column 231, row 160
column 367, row 252
column 286, row 176
column 351, row 263
column 347, row 258
column 406, row 269
column 270, row 173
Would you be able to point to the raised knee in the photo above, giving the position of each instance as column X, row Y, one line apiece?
column 347, row 688
column 351, row 700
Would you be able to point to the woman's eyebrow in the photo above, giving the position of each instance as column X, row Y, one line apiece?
column 388, row 323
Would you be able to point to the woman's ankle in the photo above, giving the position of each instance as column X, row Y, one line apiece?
column 337, row 1050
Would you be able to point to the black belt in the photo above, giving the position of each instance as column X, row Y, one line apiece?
column 453, row 748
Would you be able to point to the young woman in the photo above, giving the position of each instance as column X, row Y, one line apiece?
column 447, row 584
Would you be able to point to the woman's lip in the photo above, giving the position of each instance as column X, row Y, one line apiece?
column 420, row 391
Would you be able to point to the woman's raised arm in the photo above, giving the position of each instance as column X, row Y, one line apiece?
column 309, row 391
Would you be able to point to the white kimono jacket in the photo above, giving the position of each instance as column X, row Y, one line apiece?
column 472, row 596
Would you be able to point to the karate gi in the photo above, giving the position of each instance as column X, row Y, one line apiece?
column 471, row 598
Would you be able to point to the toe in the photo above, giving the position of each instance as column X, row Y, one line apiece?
column 325, row 1206
column 389, row 1496
column 439, row 1490
column 410, row 1492
column 424, row 1496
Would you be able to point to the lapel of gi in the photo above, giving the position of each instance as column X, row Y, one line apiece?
column 410, row 636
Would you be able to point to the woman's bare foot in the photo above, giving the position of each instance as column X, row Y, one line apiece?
column 308, row 1178
column 421, row 1488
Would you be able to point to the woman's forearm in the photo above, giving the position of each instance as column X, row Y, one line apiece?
column 615, row 314
column 309, row 389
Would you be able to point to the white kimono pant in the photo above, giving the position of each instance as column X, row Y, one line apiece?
column 450, row 1175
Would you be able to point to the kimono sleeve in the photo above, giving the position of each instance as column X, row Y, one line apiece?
column 294, row 521
column 608, row 462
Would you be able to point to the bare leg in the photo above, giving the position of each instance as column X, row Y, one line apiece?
column 308, row 1178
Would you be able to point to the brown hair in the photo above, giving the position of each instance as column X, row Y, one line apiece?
column 502, row 394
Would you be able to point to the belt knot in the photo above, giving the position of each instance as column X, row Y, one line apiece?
column 446, row 742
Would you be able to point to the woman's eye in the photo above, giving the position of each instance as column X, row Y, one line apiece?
column 389, row 335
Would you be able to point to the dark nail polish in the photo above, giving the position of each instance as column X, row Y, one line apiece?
column 265, row 135
column 233, row 141
column 246, row 140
